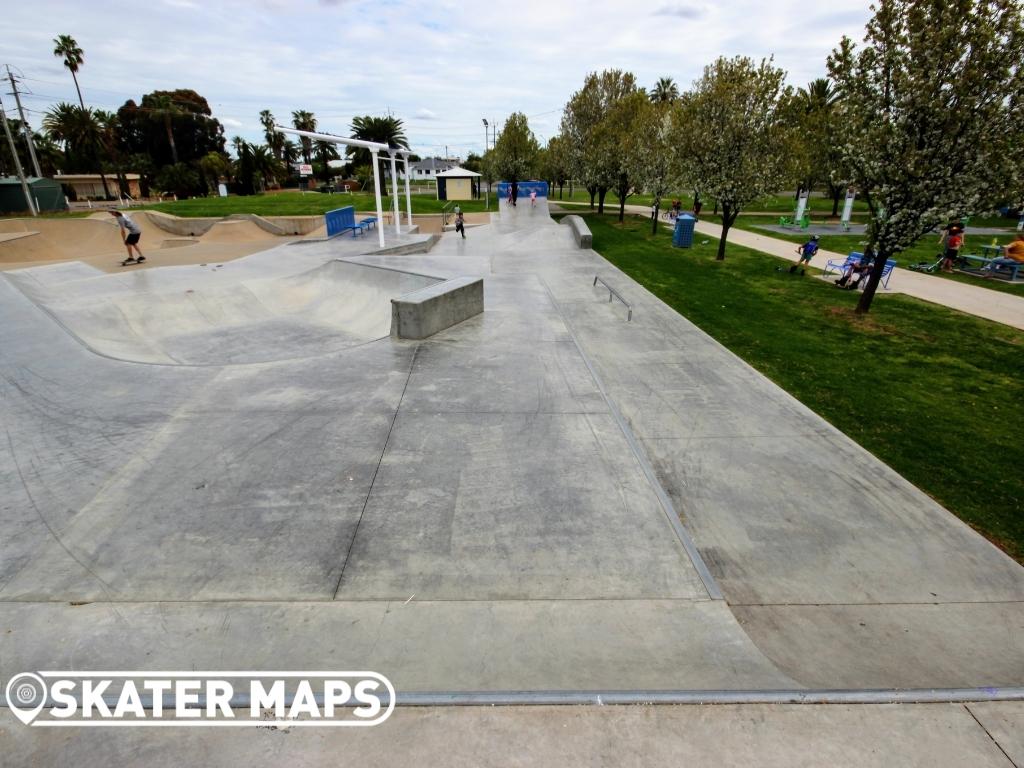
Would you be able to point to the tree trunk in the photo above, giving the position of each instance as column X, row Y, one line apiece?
column 835, row 203
column 654, row 217
column 602, row 192
column 623, row 194
column 873, row 280
column 592, row 191
column 561, row 186
column 81, row 101
column 170, row 138
column 383, row 177
column 728, row 217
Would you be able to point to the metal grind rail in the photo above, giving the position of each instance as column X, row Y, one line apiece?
column 613, row 292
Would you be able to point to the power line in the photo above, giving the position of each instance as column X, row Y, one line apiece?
column 24, row 123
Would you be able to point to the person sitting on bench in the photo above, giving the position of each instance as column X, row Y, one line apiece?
column 858, row 270
column 1013, row 254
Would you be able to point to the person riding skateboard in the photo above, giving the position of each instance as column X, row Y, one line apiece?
column 130, row 234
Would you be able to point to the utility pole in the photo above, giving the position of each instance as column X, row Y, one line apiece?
column 24, row 123
column 17, row 162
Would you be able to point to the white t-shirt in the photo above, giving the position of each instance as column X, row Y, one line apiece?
column 127, row 222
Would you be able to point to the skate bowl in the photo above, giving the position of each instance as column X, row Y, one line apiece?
column 217, row 320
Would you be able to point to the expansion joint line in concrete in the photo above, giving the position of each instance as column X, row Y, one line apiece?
column 376, row 469
column 987, row 733
column 713, row 590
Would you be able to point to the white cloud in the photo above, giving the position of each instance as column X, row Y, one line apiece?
column 359, row 57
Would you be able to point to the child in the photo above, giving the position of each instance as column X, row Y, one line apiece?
column 460, row 224
column 806, row 251
column 533, row 198
column 953, row 238
column 130, row 234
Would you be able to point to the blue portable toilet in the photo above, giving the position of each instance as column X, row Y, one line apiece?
column 682, row 237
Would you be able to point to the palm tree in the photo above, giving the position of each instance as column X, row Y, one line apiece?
column 74, row 57
column 274, row 139
column 324, row 151
column 289, row 151
column 81, row 132
column 265, row 164
column 818, row 94
column 664, row 91
column 304, row 121
column 385, row 130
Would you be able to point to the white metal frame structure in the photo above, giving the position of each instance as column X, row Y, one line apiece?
column 375, row 148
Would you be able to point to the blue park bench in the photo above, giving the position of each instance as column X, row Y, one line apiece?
column 344, row 219
column 853, row 260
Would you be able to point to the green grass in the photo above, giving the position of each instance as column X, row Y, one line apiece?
column 926, row 249
column 299, row 204
column 936, row 394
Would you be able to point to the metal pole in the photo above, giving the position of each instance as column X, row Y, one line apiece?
column 376, row 192
column 17, row 162
column 394, row 193
column 408, row 196
column 24, row 123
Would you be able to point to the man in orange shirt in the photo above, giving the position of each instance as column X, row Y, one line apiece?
column 1013, row 255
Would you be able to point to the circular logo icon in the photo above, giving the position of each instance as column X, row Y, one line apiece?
column 26, row 696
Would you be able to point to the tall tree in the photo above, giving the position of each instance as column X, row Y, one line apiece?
column 650, row 152
column 275, row 140
column 143, row 129
column 383, row 130
column 65, row 47
column 729, row 133
column 580, row 120
column 665, row 90
column 80, row 132
column 515, row 151
column 303, row 120
column 932, row 101
column 614, row 141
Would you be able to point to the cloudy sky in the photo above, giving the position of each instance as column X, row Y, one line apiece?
column 440, row 66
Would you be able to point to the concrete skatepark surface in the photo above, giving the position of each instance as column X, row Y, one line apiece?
column 234, row 467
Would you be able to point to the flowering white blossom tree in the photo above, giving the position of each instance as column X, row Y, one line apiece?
column 931, row 115
column 731, row 135
column 587, row 148
column 516, row 149
column 650, row 153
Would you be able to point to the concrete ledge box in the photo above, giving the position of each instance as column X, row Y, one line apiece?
column 580, row 231
column 429, row 310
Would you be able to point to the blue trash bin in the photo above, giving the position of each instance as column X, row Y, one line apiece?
column 682, row 237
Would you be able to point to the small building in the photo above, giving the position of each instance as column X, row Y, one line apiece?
column 89, row 186
column 457, row 184
column 427, row 170
column 46, row 193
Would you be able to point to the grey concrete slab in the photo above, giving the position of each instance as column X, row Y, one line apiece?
column 815, row 519
column 954, row 645
column 513, row 505
column 420, row 645
column 1004, row 722
column 924, row 736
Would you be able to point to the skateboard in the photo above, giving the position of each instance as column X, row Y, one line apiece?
column 129, row 262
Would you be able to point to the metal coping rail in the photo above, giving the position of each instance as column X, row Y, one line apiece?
column 638, row 697
column 613, row 292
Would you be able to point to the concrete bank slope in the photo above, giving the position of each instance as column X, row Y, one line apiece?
column 914, row 736
column 842, row 582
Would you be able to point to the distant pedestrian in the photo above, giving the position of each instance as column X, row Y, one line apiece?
column 952, row 239
column 508, row 197
column 130, row 234
column 533, row 198
column 806, row 251
column 515, row 192
column 853, row 276
column 460, row 224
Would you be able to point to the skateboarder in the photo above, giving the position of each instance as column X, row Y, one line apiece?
column 130, row 234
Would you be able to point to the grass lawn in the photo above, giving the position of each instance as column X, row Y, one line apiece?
column 936, row 394
column 301, row 204
column 926, row 249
